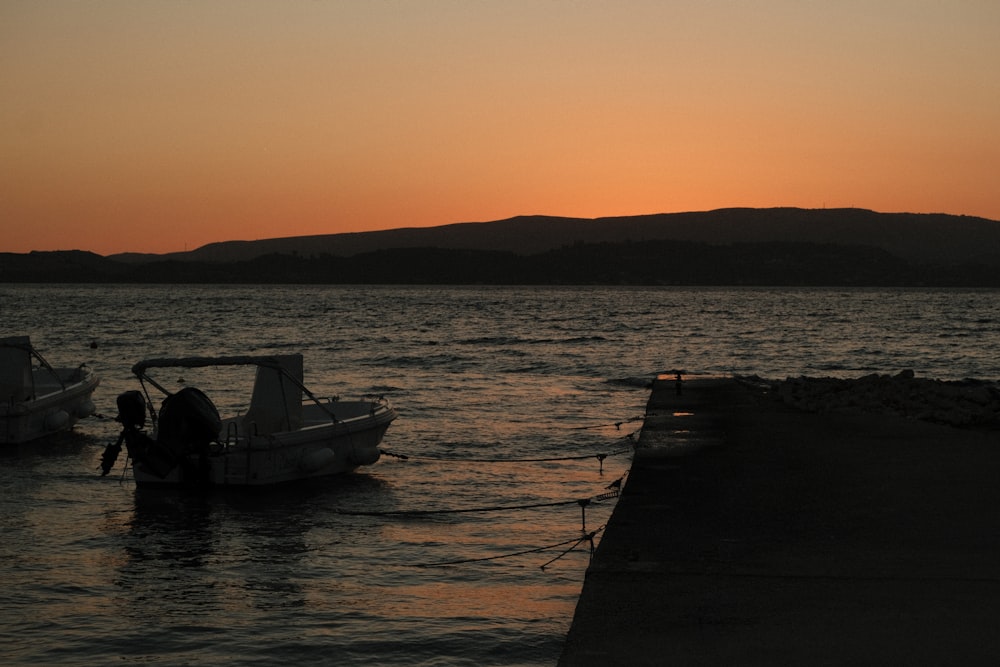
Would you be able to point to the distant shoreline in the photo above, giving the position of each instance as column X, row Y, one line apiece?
column 727, row 247
column 655, row 263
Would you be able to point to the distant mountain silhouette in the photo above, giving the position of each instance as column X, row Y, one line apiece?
column 784, row 246
column 57, row 266
column 929, row 238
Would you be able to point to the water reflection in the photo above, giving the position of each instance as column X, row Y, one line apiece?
column 228, row 551
column 54, row 446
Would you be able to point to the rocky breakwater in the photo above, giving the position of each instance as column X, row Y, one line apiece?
column 964, row 403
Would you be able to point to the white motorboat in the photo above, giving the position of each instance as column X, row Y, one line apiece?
column 286, row 434
column 37, row 399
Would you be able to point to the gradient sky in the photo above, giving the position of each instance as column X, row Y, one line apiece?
column 147, row 126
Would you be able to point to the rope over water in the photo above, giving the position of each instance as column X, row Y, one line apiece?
column 617, row 425
column 456, row 459
column 471, row 510
column 577, row 541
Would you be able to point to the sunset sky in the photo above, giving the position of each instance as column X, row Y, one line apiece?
column 157, row 126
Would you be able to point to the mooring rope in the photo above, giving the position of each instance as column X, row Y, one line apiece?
column 576, row 541
column 473, row 510
column 613, row 491
column 462, row 459
column 589, row 537
column 617, row 425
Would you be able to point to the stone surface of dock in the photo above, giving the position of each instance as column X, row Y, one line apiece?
column 752, row 533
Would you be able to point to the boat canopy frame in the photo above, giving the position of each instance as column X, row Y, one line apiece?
column 140, row 370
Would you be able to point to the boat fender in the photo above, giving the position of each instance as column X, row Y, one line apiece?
column 85, row 409
column 56, row 421
column 365, row 456
column 317, row 459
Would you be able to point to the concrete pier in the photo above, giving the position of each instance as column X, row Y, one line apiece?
column 750, row 533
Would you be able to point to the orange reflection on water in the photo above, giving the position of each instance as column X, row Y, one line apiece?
column 454, row 601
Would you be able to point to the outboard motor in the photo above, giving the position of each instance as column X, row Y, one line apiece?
column 131, row 409
column 132, row 416
column 189, row 421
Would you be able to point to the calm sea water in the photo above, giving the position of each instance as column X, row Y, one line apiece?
column 95, row 572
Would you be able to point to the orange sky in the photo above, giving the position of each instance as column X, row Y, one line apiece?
column 156, row 126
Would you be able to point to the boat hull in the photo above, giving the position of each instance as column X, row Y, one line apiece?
column 50, row 411
column 321, row 448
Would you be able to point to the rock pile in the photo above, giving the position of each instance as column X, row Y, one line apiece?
column 966, row 403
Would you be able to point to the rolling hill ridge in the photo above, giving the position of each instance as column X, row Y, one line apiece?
column 786, row 246
column 933, row 238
